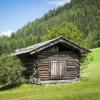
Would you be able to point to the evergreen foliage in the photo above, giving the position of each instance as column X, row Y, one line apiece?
column 83, row 15
column 10, row 70
column 68, row 30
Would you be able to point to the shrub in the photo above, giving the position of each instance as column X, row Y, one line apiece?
column 10, row 70
column 85, row 61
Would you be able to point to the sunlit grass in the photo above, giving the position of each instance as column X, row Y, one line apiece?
column 93, row 69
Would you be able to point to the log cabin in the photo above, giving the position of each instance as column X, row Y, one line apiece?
column 53, row 61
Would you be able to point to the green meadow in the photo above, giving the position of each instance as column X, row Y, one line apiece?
column 87, row 89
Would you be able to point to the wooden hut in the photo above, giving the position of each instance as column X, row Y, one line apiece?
column 53, row 61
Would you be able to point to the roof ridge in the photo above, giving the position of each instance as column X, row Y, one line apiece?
column 28, row 47
column 45, row 44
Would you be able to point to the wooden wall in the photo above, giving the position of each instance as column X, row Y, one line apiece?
column 39, row 67
column 44, row 62
column 30, row 64
column 53, row 54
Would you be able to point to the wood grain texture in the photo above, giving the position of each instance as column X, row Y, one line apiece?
column 39, row 65
column 47, row 56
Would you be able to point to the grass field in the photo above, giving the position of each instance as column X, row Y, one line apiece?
column 86, row 89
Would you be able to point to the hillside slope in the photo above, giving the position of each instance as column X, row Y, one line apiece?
column 83, row 15
column 88, row 89
column 93, row 69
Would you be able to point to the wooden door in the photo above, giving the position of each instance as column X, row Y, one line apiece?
column 58, row 69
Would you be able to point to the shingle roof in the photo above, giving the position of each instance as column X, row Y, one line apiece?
column 40, row 46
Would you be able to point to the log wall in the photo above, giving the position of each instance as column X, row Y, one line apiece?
column 39, row 67
column 52, row 54
column 30, row 64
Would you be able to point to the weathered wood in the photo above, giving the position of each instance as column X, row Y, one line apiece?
column 39, row 65
column 44, row 63
column 44, row 68
column 43, row 73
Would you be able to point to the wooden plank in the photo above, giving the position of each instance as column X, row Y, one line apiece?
column 44, row 69
column 71, row 66
column 68, row 70
column 44, row 76
column 71, row 73
column 43, row 64
column 43, row 72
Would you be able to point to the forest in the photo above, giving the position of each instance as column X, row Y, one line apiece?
column 78, row 21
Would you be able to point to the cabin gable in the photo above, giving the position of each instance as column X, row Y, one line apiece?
column 63, row 63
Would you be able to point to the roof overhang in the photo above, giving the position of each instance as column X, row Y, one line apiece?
column 41, row 46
